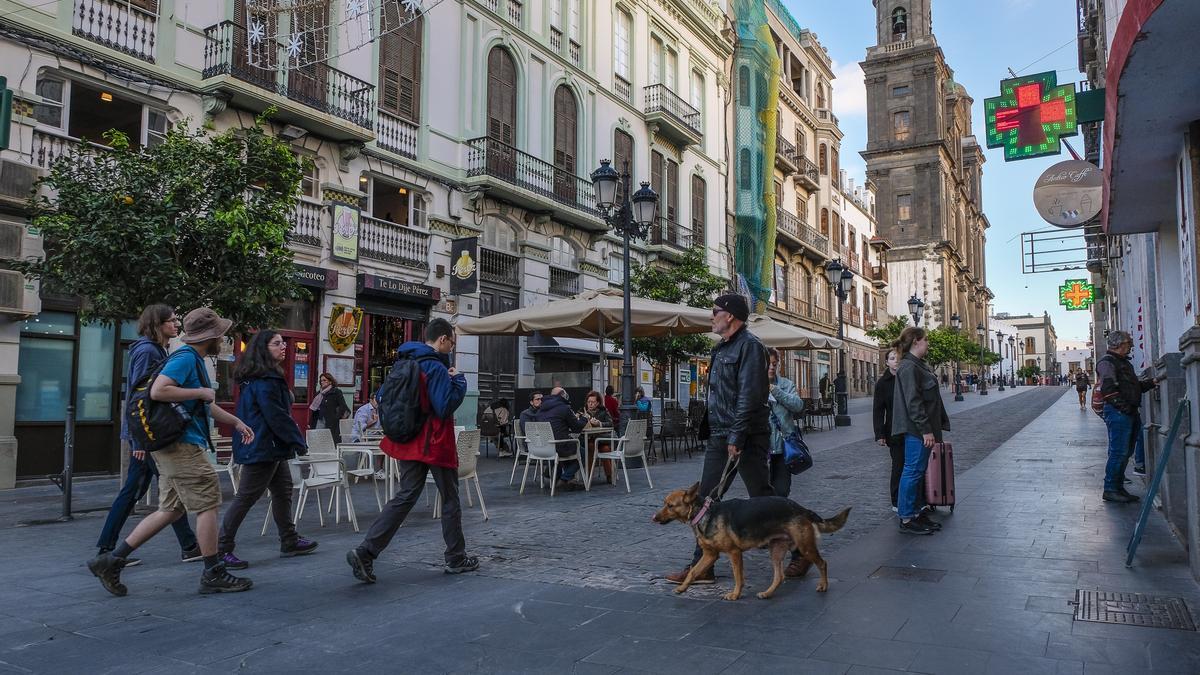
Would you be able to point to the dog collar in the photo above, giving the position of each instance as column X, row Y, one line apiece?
column 703, row 510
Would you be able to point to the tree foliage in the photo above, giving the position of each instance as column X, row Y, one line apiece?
column 947, row 345
column 889, row 332
column 1032, row 370
column 196, row 220
column 687, row 282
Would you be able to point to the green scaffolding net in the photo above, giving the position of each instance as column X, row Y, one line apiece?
column 756, row 75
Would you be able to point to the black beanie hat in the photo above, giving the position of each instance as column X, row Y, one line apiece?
column 734, row 304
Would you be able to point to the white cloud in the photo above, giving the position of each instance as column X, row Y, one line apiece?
column 849, row 90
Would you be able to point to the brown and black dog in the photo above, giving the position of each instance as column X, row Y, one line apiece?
column 737, row 525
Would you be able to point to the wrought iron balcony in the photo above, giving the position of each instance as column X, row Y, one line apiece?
column 265, row 64
column 669, row 233
column 799, row 232
column 807, row 174
column 672, row 116
column 563, row 283
column 499, row 268
column 117, row 24
column 537, row 181
column 786, row 157
column 395, row 134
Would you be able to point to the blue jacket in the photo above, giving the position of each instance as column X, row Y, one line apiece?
column 785, row 406
column 144, row 355
column 435, row 445
column 264, row 404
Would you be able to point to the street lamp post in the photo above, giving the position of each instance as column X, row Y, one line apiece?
column 1012, row 363
column 840, row 279
column 632, row 217
column 1000, row 347
column 916, row 309
column 956, row 324
column 981, row 330
column 1022, row 345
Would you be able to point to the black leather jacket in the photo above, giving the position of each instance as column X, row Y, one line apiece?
column 917, row 408
column 881, row 409
column 737, row 389
column 1119, row 384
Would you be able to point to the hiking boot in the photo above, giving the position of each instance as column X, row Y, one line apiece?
column 1118, row 496
column 709, row 577
column 1129, row 496
column 107, row 568
column 301, row 546
column 232, row 562
column 469, row 563
column 797, row 568
column 362, row 565
column 219, row 580
column 1139, row 471
column 191, row 555
column 915, row 526
column 928, row 522
column 129, row 562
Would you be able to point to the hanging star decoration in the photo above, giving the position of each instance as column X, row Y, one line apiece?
column 413, row 6
column 257, row 32
column 295, row 44
column 355, row 8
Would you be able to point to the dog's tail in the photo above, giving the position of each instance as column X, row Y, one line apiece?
column 827, row 525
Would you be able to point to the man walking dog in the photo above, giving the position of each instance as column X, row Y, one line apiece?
column 737, row 417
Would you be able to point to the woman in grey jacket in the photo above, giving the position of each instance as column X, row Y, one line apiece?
column 918, row 413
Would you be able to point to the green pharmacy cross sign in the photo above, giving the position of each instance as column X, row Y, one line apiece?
column 1076, row 294
column 1030, row 116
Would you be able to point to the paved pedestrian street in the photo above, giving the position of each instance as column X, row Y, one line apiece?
column 573, row 583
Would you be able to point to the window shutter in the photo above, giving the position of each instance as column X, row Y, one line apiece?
column 565, row 129
column 699, row 213
column 656, row 175
column 502, row 96
column 672, row 191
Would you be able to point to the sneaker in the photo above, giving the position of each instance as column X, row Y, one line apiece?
column 504, row 454
column 219, row 580
column 191, row 555
column 895, row 509
column 928, row 522
column 107, row 568
column 362, row 565
column 915, row 526
column 708, row 577
column 1139, row 471
column 301, row 546
column 232, row 562
column 469, row 563
column 1118, row 496
column 797, row 568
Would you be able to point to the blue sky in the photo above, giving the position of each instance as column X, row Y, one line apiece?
column 980, row 48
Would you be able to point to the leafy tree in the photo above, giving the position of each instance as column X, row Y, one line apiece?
column 1032, row 370
column 687, row 282
column 196, row 220
column 889, row 332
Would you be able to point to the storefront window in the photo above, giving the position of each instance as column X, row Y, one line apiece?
column 45, row 370
column 50, row 323
column 94, row 387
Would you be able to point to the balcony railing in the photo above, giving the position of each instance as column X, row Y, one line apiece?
column 490, row 157
column 498, row 267
column 660, row 99
column 622, row 88
column 556, row 40
column 563, row 283
column 826, row 115
column 117, row 24
column 669, row 233
column 822, row 314
column 395, row 134
column 807, row 172
column 47, row 147
column 852, row 314
column 798, row 229
column 853, row 260
column 879, row 273
column 307, row 223
column 515, row 12
column 575, row 52
column 267, row 65
column 391, row 243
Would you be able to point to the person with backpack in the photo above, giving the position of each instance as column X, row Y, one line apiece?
column 188, row 480
column 156, row 326
column 1121, row 392
column 1081, row 386
column 265, row 404
column 416, row 406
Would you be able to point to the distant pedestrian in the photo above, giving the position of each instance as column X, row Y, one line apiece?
column 882, row 406
column 1082, row 382
column 188, row 479
column 328, row 407
column 640, row 400
column 1122, row 392
column 265, row 405
column 612, row 405
column 156, row 326
column 785, row 404
column 556, row 409
column 433, row 451
column 737, row 415
column 919, row 414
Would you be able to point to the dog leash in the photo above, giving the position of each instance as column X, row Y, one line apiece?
column 717, row 492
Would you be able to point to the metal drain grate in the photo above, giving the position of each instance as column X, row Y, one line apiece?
column 908, row 574
column 1132, row 609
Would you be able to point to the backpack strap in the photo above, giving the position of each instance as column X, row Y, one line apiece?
column 202, row 375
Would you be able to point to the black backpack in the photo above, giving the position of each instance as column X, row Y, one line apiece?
column 153, row 425
column 400, row 411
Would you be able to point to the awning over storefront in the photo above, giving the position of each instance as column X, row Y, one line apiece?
column 573, row 348
column 1150, row 101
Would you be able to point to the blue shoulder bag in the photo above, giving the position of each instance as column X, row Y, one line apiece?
column 796, row 456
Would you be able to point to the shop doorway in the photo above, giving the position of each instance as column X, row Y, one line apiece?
column 384, row 335
column 497, row 353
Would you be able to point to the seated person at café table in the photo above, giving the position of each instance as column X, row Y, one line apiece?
column 598, row 417
column 366, row 419
column 556, row 410
column 530, row 414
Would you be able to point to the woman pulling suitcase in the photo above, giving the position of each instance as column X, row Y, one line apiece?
column 918, row 413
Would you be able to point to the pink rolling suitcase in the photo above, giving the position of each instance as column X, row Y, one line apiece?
column 939, row 476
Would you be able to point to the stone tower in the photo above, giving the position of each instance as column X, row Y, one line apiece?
column 926, row 168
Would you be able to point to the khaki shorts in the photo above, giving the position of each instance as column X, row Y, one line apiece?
column 187, row 481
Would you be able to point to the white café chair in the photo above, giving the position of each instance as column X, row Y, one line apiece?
column 540, row 447
column 326, row 469
column 367, row 451
column 346, row 427
column 632, row 444
column 468, row 459
column 518, row 447
column 222, row 459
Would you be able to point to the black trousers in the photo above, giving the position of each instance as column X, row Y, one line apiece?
column 256, row 478
column 754, row 468
column 412, row 483
column 896, row 448
column 781, row 478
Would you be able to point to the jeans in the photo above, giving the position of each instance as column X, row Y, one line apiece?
column 255, row 480
column 916, row 459
column 1124, row 439
column 754, row 468
column 141, row 473
column 412, row 482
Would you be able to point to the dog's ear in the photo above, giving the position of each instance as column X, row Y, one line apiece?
column 694, row 490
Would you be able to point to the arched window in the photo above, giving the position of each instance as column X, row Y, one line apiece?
column 500, row 235
column 744, row 85
column 744, row 169
column 502, row 97
column 622, row 50
column 899, row 24
column 400, row 66
column 562, row 254
column 566, row 142
column 823, row 160
column 825, row 222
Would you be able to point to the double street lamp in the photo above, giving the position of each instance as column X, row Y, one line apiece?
column 840, row 279
column 631, row 217
column 981, row 331
column 1000, row 348
column 956, row 324
column 916, row 309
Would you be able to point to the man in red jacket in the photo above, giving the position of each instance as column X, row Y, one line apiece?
column 433, row 451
